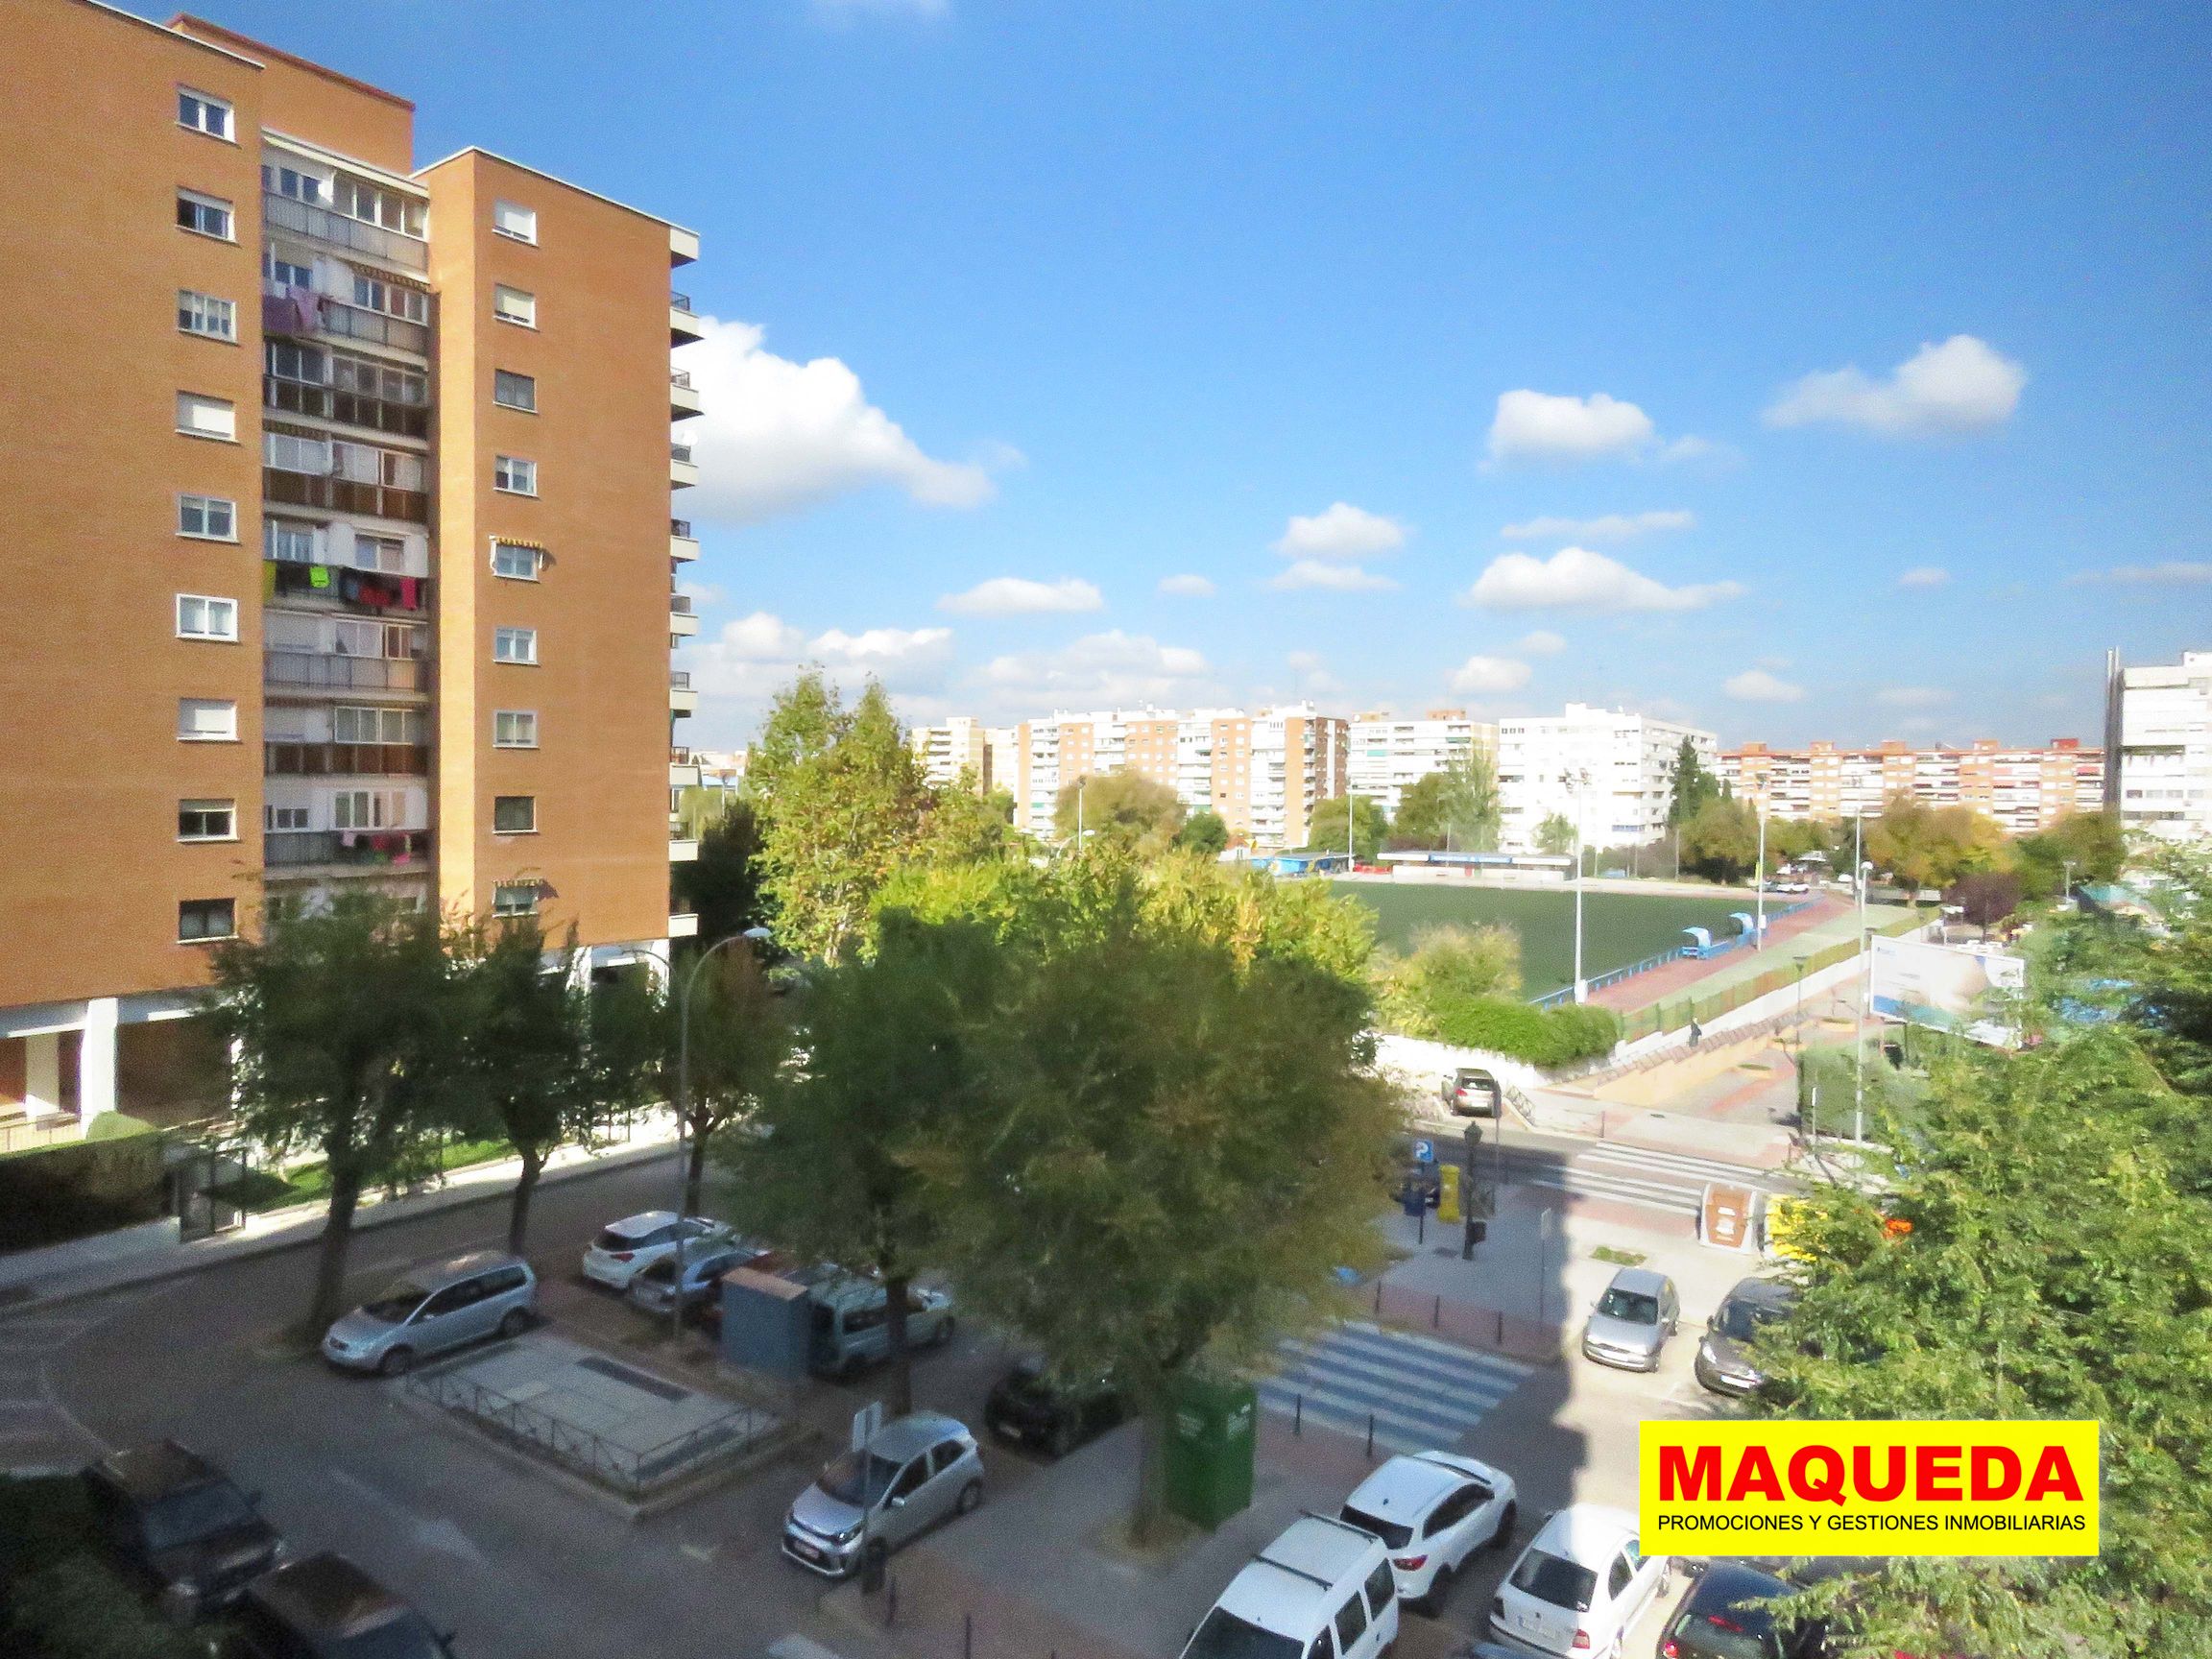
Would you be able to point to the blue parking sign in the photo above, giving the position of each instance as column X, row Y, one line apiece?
column 1424, row 1151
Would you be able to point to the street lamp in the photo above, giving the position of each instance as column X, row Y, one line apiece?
column 750, row 936
column 2066, row 882
column 1759, row 878
column 1575, row 783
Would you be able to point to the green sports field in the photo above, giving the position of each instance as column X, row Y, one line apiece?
column 1617, row 928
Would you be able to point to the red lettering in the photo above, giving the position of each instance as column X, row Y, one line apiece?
column 1933, row 1464
column 1686, row 1478
column 1994, row 1474
column 1755, row 1472
column 1889, row 1489
column 2053, row 1473
column 1816, row 1475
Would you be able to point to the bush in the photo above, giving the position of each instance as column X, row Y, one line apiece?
column 1449, row 964
column 1546, row 1037
column 116, row 1126
column 77, row 1188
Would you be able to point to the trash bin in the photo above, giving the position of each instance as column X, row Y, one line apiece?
column 1210, row 1446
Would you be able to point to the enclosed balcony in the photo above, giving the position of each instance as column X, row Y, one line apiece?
column 682, row 621
column 682, row 699
column 339, row 230
column 288, row 760
column 344, row 850
column 683, row 396
column 682, row 544
column 682, row 472
column 332, row 671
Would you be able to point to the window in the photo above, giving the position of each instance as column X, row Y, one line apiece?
column 514, row 646
column 375, row 380
column 371, row 205
column 384, row 554
column 207, row 720
column 514, row 475
column 208, row 517
column 515, row 729
column 1381, row 1587
column 204, row 315
column 369, row 809
column 515, row 899
column 204, row 112
column 350, row 724
column 514, row 814
column 205, row 215
column 943, row 1456
column 294, row 452
column 514, row 306
column 206, row 918
column 293, row 183
column 206, row 821
column 284, row 817
column 288, row 541
column 514, row 390
column 1351, row 1622
column 515, row 558
column 519, row 223
column 393, row 299
column 202, row 417
column 288, row 361
column 200, row 617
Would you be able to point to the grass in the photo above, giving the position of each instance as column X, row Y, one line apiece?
column 1617, row 928
column 264, row 1190
column 1618, row 1258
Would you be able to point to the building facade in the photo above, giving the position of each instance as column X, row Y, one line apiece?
column 1606, row 771
column 2023, row 789
column 2160, row 759
column 1390, row 756
column 376, row 589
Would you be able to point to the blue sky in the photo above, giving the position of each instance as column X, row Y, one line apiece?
column 1071, row 300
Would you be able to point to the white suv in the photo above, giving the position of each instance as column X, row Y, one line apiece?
column 627, row 1247
column 1433, row 1510
column 1321, row 1591
column 1580, row 1585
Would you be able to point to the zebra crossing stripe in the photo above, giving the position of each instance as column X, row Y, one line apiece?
column 1419, row 1391
column 1702, row 1169
column 1351, row 1402
column 1381, row 1350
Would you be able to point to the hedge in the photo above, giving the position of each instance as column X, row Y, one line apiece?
column 1547, row 1037
column 73, row 1188
column 63, row 1598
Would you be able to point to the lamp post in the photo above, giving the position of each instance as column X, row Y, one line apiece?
column 1575, row 783
column 750, row 936
column 2066, row 881
column 1759, row 880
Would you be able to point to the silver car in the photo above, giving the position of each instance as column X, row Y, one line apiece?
column 653, row 1286
column 914, row 1473
column 441, row 1305
column 1632, row 1320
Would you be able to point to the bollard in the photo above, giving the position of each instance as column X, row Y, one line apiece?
column 966, row 1636
column 1370, row 1437
column 1421, row 1228
column 1436, row 1315
column 1500, row 1328
column 1298, row 1417
column 1378, row 1298
column 891, row 1605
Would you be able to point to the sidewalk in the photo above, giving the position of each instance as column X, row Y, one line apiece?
column 83, row 1268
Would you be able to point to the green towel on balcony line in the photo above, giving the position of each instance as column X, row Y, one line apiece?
column 319, row 576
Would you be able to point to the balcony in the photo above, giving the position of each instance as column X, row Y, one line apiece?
column 682, row 544
column 682, row 699
column 683, row 769
column 682, row 327
column 282, row 212
column 345, row 848
column 349, row 408
column 682, row 850
column 682, row 621
column 281, row 759
column 682, row 472
column 319, row 490
column 683, row 927
column 295, row 583
column 288, row 313
column 683, row 396
column 683, row 245
column 320, row 671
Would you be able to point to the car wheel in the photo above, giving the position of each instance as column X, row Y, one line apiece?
column 943, row 1334
column 1502, row 1540
column 397, row 1363
column 513, row 1323
column 971, row 1497
column 1063, row 1438
column 1439, row 1587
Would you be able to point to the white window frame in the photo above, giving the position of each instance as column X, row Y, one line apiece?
column 515, row 221
column 230, row 230
column 187, row 733
column 532, row 830
column 525, row 721
column 501, row 905
column 195, row 309
column 287, row 819
column 530, row 381
column 204, row 504
column 191, row 101
column 516, row 305
column 228, row 809
column 184, row 938
column 525, row 638
column 514, row 475
column 200, row 416
column 536, row 555
column 214, row 611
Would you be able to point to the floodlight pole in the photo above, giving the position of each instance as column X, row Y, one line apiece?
column 1759, row 880
column 1865, row 985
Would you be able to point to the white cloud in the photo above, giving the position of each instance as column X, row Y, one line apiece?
column 778, row 434
column 1340, row 531
column 1188, row 587
column 1543, row 642
column 1574, row 578
column 2173, row 573
column 1482, row 675
column 1099, row 670
column 1607, row 527
column 1924, row 576
column 1911, row 696
column 1961, row 386
column 1757, row 685
column 1542, row 426
column 1338, row 578
column 1019, row 596
column 755, row 655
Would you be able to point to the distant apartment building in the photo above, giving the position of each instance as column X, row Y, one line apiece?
column 343, row 554
column 2158, row 727
column 964, row 744
column 1390, row 756
column 1606, row 770
column 2023, row 789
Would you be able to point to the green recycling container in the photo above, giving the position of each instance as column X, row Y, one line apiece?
column 1210, row 1430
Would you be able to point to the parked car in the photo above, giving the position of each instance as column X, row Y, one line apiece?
column 1723, row 1357
column 914, row 1472
column 625, row 1248
column 179, row 1526
column 653, row 1286
column 1471, row 1092
column 1029, row 1404
column 324, row 1607
column 852, row 1322
column 1321, row 1574
column 1580, row 1584
column 1433, row 1510
column 1632, row 1320
column 1722, row 1618
column 484, row 1293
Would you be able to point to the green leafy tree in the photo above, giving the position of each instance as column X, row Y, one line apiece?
column 1455, row 808
column 968, row 824
column 1204, row 832
column 1690, row 787
column 1423, row 815
column 741, row 1039
column 1721, row 841
column 2083, row 846
column 1120, row 808
column 722, row 885
column 348, row 1032
column 1555, row 835
column 1934, row 846
column 1446, row 965
column 1325, row 828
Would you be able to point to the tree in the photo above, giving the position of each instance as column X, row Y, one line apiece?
column 1446, row 965
column 890, row 1044
column 2081, row 847
column 1934, row 846
column 741, row 1039
column 1204, row 832
column 1721, row 841
column 1690, row 787
column 346, row 1030
column 1325, row 828
column 1985, row 898
column 1555, row 835
column 722, row 885
column 1423, row 815
column 965, row 824
column 1454, row 808
column 1125, row 808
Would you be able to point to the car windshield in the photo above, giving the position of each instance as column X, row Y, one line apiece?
column 1633, row 1306
column 1549, row 1578
column 842, row 1479
column 1740, row 1321
column 197, row 1512
column 1225, row 1636
column 398, row 1301
column 1393, row 1535
column 405, row 1637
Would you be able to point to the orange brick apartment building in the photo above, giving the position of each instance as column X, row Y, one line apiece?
column 342, row 551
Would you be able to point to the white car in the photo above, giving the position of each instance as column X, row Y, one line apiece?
column 1433, row 1510
column 1320, row 1577
column 1580, row 1585
column 627, row 1247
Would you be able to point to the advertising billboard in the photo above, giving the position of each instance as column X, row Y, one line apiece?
column 1960, row 988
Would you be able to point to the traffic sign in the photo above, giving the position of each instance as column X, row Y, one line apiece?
column 1424, row 1151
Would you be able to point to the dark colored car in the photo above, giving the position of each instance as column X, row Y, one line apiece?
column 180, row 1524
column 1724, row 1356
column 324, row 1607
column 1723, row 1617
column 1027, row 1405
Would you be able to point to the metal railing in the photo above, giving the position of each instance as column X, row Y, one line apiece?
column 682, row 758
column 341, row 231
column 680, row 527
column 19, row 1134
column 329, row 671
column 679, row 452
column 680, row 302
column 284, row 848
column 352, row 408
column 344, row 495
column 282, row 759
column 679, row 377
column 680, row 679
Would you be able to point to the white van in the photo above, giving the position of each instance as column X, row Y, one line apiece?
column 1324, row 1590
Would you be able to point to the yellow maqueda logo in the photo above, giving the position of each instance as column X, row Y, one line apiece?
column 1946, row 1488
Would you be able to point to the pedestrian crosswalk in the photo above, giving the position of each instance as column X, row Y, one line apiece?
column 36, row 1432
column 1419, row 1392
column 1674, row 1180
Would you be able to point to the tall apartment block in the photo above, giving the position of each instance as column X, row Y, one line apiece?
column 344, row 545
column 2159, row 758
column 2023, row 789
column 1606, row 770
column 1390, row 756
column 964, row 745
